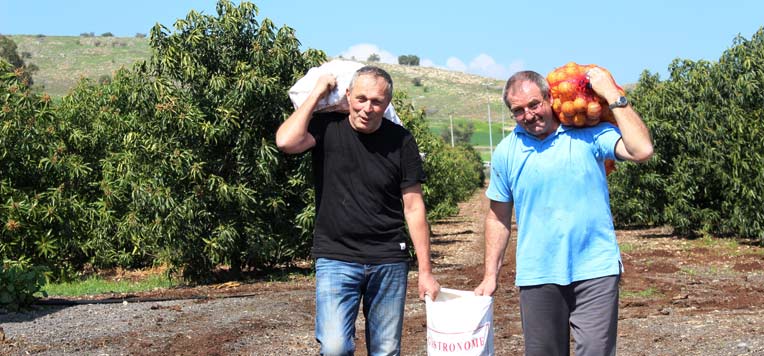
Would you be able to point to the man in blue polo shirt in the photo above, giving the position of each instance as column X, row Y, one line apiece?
column 568, row 261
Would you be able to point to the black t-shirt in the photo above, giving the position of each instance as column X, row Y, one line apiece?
column 358, row 178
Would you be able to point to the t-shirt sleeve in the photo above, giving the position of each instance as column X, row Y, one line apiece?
column 606, row 139
column 498, row 187
column 411, row 164
column 317, row 125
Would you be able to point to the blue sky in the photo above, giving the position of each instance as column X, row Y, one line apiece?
column 489, row 38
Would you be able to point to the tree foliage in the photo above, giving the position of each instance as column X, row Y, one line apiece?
column 373, row 58
column 453, row 173
column 462, row 133
column 19, row 282
column 707, row 176
column 43, row 218
column 198, row 173
column 408, row 60
column 9, row 52
column 173, row 161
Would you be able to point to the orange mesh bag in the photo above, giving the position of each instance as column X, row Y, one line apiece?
column 573, row 100
column 575, row 103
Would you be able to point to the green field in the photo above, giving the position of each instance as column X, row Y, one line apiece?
column 482, row 138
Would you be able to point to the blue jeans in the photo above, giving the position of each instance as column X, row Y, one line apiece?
column 340, row 287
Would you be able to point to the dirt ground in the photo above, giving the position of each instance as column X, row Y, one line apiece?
column 678, row 297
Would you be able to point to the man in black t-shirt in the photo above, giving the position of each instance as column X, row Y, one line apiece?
column 368, row 175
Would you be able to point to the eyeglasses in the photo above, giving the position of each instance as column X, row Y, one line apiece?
column 519, row 112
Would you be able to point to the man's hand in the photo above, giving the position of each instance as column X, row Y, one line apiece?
column 324, row 85
column 428, row 286
column 292, row 136
column 487, row 287
column 603, row 84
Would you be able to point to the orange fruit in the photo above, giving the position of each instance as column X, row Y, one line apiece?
column 564, row 119
column 579, row 120
column 593, row 110
column 553, row 77
column 556, row 104
column 568, row 109
column 566, row 89
column 607, row 115
column 609, row 166
column 572, row 69
column 579, row 104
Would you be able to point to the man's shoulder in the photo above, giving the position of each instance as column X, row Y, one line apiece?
column 330, row 116
column 390, row 128
column 510, row 138
column 323, row 121
column 603, row 126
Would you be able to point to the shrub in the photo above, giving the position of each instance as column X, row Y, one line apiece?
column 19, row 282
column 453, row 173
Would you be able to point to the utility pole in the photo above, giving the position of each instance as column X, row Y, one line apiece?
column 451, row 120
column 502, row 124
column 490, row 133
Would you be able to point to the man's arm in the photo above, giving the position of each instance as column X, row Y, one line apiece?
column 293, row 136
column 497, row 230
column 416, row 219
column 635, row 144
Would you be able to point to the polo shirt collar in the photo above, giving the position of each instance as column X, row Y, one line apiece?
column 560, row 129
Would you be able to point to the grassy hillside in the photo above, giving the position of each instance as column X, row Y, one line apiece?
column 443, row 94
column 63, row 60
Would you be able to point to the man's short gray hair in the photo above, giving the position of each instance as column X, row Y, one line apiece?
column 525, row 75
column 377, row 72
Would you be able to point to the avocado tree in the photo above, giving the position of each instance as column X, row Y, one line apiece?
column 190, row 173
column 707, row 176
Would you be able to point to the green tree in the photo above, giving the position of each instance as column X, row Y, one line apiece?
column 196, row 179
column 707, row 176
column 42, row 214
column 8, row 51
column 373, row 58
column 462, row 133
column 408, row 60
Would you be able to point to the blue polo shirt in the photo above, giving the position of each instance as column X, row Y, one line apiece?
column 561, row 202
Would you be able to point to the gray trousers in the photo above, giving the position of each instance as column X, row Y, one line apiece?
column 589, row 308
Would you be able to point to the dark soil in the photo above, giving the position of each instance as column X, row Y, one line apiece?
column 678, row 297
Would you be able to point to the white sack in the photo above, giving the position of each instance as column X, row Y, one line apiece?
column 459, row 323
column 335, row 101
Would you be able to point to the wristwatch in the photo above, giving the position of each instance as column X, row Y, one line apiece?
column 621, row 102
